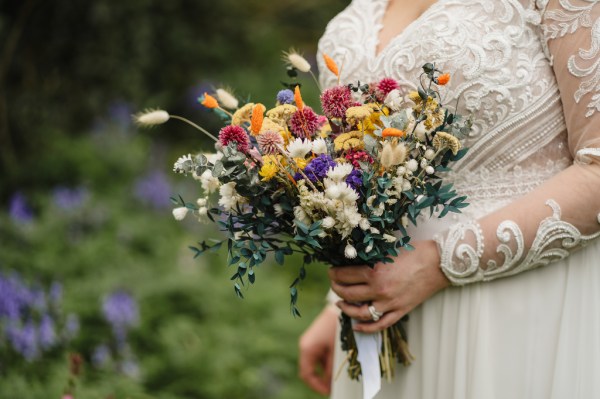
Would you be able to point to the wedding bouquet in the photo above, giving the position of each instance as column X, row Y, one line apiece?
column 339, row 186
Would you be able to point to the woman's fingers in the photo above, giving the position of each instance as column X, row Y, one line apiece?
column 353, row 293
column 387, row 320
column 359, row 311
column 350, row 274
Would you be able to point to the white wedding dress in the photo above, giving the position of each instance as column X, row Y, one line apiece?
column 529, row 72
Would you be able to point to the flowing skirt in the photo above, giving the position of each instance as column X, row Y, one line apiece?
column 535, row 335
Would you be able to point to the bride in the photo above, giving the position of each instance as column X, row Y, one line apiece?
column 504, row 299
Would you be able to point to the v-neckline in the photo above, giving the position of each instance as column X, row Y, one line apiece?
column 379, row 27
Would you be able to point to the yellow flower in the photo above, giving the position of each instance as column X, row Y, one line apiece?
column 446, row 140
column 242, row 115
column 373, row 122
column 348, row 141
column 431, row 109
column 358, row 114
column 301, row 163
column 281, row 114
column 270, row 167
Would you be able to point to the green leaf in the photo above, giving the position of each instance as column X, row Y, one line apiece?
column 279, row 257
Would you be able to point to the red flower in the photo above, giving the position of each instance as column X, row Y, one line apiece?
column 304, row 123
column 235, row 134
column 336, row 101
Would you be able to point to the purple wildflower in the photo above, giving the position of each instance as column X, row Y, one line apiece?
column 354, row 179
column 71, row 326
column 47, row 334
column 316, row 170
column 285, row 97
column 19, row 210
column 154, row 190
column 121, row 311
column 69, row 198
column 55, row 294
column 24, row 340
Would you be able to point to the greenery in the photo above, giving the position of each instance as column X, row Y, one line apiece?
column 71, row 73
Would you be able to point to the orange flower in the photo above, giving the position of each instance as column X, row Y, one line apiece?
column 443, row 79
column 209, row 101
column 392, row 132
column 257, row 118
column 331, row 65
column 298, row 98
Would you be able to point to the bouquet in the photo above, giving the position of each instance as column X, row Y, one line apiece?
column 338, row 186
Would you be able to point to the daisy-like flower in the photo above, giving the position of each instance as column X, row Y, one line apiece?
column 235, row 134
column 294, row 59
column 209, row 183
column 336, row 101
column 270, row 142
column 229, row 196
column 151, row 118
column 304, row 123
column 269, row 169
column 184, row 164
column 299, row 148
column 342, row 192
column 226, row 99
column 319, row 146
column 339, row 172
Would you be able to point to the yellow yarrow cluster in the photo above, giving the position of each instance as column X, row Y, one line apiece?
column 373, row 122
column 355, row 115
column 270, row 167
column 446, row 140
column 433, row 112
column 242, row 115
column 281, row 114
column 349, row 141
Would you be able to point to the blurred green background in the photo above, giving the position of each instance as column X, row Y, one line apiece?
column 91, row 260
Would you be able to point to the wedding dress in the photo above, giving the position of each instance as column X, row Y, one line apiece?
column 529, row 73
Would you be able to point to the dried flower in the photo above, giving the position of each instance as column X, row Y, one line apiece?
column 319, row 146
column 285, row 96
column 180, row 213
column 336, row 101
column 256, row 120
column 269, row 169
column 392, row 132
column 317, row 168
column 282, row 114
column 151, row 118
column 357, row 114
column 331, row 65
column 412, row 165
column 304, row 122
column 443, row 79
column 242, row 115
column 446, row 140
column 236, row 135
column 209, row 101
column 357, row 156
column 349, row 141
column 226, row 98
column 350, row 251
column 387, row 85
column 296, row 60
column 184, row 164
column 298, row 98
column 392, row 154
column 269, row 142
column 299, row 148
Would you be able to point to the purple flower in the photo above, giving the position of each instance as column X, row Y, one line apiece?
column 154, row 190
column 121, row 311
column 101, row 356
column 71, row 326
column 354, row 179
column 56, row 292
column 285, row 97
column 47, row 334
column 69, row 198
column 19, row 210
column 316, row 170
column 24, row 340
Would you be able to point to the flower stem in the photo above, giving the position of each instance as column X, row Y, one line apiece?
column 189, row 122
column 316, row 81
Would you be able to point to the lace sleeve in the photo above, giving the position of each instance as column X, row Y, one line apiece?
column 563, row 214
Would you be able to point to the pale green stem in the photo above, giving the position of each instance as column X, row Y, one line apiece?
column 189, row 122
column 316, row 81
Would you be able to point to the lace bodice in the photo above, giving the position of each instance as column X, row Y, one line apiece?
column 500, row 54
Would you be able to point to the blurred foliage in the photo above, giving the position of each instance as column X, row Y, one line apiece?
column 71, row 73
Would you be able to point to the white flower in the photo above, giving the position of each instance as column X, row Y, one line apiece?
column 424, row 163
column 299, row 148
column 364, row 224
column 374, row 230
column 278, row 209
column 226, row 99
column 209, row 183
column 404, row 221
column 229, row 196
column 406, row 185
column 342, row 192
column 203, row 215
column 201, row 202
column 420, row 132
column 369, row 248
column 412, row 165
column 350, row 251
column 401, row 171
column 179, row 213
column 301, row 215
column 370, row 200
column 297, row 61
column 339, row 172
column 319, row 146
column 429, row 154
column 184, row 164
column 328, row 222
column 212, row 158
column 389, row 238
column 429, row 170
column 394, row 100
column 151, row 118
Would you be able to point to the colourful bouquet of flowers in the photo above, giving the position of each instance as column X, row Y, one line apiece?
column 340, row 187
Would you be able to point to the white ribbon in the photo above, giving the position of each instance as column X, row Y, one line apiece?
column 368, row 346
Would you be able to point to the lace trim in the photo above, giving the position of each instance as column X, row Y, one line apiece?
column 554, row 240
column 561, row 22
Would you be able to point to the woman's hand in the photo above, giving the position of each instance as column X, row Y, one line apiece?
column 393, row 289
column 317, row 345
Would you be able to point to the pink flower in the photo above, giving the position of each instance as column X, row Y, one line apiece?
column 269, row 142
column 386, row 85
column 354, row 157
column 304, row 123
column 235, row 134
column 336, row 101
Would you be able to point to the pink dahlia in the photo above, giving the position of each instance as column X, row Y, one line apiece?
column 269, row 142
column 386, row 85
column 235, row 134
column 304, row 123
column 336, row 101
